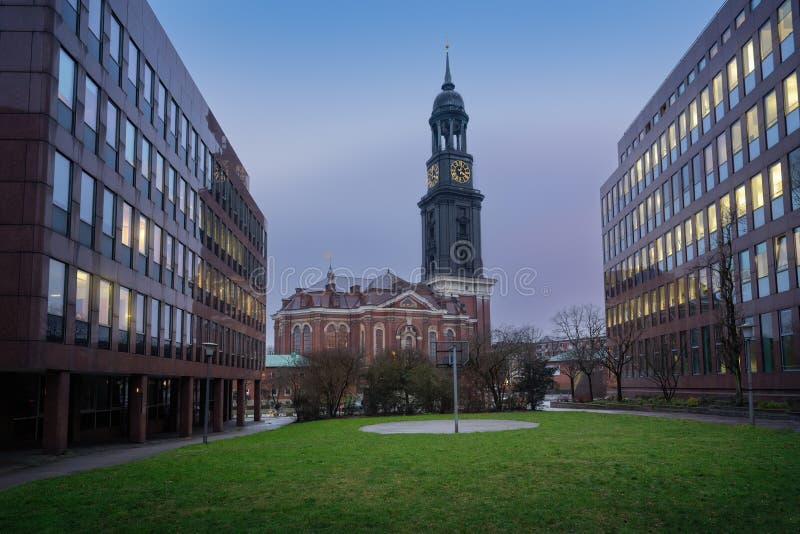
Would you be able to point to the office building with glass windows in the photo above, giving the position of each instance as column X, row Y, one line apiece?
column 717, row 145
column 129, row 235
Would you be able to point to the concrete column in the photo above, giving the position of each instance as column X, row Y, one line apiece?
column 257, row 400
column 186, row 407
column 219, row 403
column 241, row 402
column 56, row 412
column 137, row 408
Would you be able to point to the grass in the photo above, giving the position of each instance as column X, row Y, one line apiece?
column 576, row 472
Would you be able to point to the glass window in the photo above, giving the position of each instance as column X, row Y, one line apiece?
column 112, row 114
column 127, row 225
column 173, row 116
column 790, row 110
column 771, row 119
column 115, row 39
column 95, row 16
column 145, row 159
column 162, row 102
column 785, row 29
column 159, row 172
column 757, row 198
column 765, row 44
column 104, row 303
column 745, row 283
column 143, row 222
column 781, row 264
column 108, row 212
column 719, row 108
column 741, row 208
column 147, row 89
column 133, row 63
column 171, row 184
column 753, row 146
column 736, row 145
column 62, row 170
column 733, row 83
column 83, row 281
column 55, row 300
column 92, row 101
column 87, row 199
column 130, row 143
column 124, row 308
column 722, row 156
column 766, row 340
column 749, row 66
column 181, row 194
column 789, row 355
column 168, row 251
column 66, row 79
column 776, row 190
column 762, row 269
column 156, row 232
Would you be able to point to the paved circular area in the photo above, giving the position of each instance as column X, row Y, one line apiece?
column 445, row 426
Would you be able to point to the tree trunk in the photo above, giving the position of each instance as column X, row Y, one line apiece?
column 591, row 392
column 572, row 388
column 619, row 387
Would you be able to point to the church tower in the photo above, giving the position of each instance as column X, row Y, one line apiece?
column 452, row 264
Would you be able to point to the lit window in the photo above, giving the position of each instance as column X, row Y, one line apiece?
column 83, row 282
column 736, row 145
column 771, row 119
column 765, row 44
column 781, row 264
column 733, row 83
column 753, row 147
column 790, row 108
column 749, row 66
column 785, row 29
column 757, row 198
column 719, row 107
column 127, row 225
column 776, row 192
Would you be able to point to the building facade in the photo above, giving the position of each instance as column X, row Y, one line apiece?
column 129, row 236
column 386, row 313
column 716, row 148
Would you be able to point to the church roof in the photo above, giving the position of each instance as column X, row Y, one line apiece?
column 351, row 293
column 449, row 99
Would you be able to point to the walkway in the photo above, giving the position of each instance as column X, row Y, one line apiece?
column 19, row 467
column 776, row 424
column 446, row 426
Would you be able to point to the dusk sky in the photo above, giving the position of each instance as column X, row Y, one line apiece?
column 332, row 124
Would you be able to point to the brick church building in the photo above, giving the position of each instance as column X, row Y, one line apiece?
column 384, row 312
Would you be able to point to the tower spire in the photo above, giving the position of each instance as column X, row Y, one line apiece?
column 448, row 82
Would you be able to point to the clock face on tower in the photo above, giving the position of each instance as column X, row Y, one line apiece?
column 459, row 171
column 433, row 175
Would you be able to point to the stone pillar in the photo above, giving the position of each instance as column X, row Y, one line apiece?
column 256, row 400
column 241, row 402
column 56, row 412
column 137, row 408
column 186, row 403
column 219, row 403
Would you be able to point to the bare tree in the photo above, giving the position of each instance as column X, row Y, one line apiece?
column 497, row 363
column 584, row 327
column 663, row 369
column 619, row 350
column 725, row 285
column 329, row 374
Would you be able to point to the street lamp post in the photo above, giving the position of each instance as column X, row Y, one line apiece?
column 209, row 349
column 747, row 334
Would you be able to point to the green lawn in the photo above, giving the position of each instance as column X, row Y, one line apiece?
column 576, row 472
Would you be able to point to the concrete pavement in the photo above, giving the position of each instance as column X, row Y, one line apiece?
column 19, row 467
column 445, row 426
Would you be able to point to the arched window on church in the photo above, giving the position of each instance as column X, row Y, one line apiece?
column 450, row 335
column 408, row 342
column 378, row 341
column 342, row 341
column 296, row 348
column 432, row 344
column 330, row 337
column 306, row 339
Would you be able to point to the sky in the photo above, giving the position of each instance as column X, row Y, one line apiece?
column 327, row 105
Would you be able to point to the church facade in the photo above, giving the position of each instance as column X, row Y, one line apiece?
column 386, row 313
